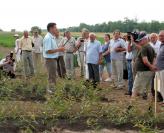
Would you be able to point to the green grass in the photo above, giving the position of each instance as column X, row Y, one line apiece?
column 6, row 39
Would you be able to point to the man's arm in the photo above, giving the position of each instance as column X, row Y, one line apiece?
column 61, row 49
column 121, row 48
column 148, row 64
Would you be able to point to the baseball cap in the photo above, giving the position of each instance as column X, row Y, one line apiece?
column 141, row 36
column 16, row 35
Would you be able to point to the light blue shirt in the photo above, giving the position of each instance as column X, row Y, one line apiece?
column 93, row 51
column 115, row 44
column 49, row 43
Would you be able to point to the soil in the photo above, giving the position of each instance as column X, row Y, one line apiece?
column 116, row 96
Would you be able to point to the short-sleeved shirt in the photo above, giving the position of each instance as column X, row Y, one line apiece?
column 69, row 45
column 81, row 48
column 26, row 44
column 116, row 44
column 129, row 55
column 156, row 46
column 38, row 44
column 58, row 42
column 49, row 43
column 93, row 51
column 146, row 51
column 160, row 58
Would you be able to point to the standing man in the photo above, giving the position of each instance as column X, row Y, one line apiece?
column 144, row 66
column 154, row 42
column 70, row 47
column 93, row 58
column 50, row 53
column 160, row 64
column 26, row 47
column 117, row 48
column 37, row 50
column 81, row 42
column 60, row 60
column 17, row 50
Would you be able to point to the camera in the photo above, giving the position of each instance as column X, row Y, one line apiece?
column 133, row 34
column 81, row 40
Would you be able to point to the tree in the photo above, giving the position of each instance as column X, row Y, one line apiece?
column 36, row 28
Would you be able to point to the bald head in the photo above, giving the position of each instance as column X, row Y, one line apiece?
column 25, row 33
column 92, row 37
column 161, row 36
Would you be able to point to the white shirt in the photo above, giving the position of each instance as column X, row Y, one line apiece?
column 38, row 44
column 156, row 46
column 129, row 55
column 17, row 45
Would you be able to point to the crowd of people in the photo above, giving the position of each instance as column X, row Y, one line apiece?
column 137, row 57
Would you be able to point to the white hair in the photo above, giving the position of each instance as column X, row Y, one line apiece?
column 92, row 34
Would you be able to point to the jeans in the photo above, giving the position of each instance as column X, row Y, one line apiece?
column 108, row 67
column 130, row 75
column 28, row 63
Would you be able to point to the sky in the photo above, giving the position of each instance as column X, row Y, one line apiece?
column 23, row 14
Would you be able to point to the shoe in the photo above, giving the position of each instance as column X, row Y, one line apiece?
column 128, row 93
column 108, row 80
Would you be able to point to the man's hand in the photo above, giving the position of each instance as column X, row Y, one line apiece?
column 153, row 68
column 61, row 49
column 117, row 49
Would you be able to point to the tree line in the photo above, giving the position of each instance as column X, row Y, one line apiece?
column 124, row 26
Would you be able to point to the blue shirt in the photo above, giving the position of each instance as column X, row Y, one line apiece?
column 116, row 44
column 93, row 51
column 160, row 58
column 49, row 43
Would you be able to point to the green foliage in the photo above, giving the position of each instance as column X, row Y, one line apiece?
column 123, row 26
column 36, row 28
column 72, row 102
column 7, row 39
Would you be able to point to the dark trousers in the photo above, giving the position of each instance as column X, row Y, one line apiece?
column 94, row 72
column 61, row 67
column 130, row 75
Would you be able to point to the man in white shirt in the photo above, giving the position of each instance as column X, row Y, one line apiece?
column 17, row 50
column 37, row 50
column 81, row 42
column 154, row 42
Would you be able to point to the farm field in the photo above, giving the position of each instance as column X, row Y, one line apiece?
column 76, row 107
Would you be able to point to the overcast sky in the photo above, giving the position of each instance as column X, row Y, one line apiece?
column 23, row 14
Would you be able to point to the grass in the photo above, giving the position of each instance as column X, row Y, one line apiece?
column 23, row 107
column 7, row 39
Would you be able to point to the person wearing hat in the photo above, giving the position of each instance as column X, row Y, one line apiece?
column 145, row 66
column 17, row 50
column 37, row 50
column 81, row 42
